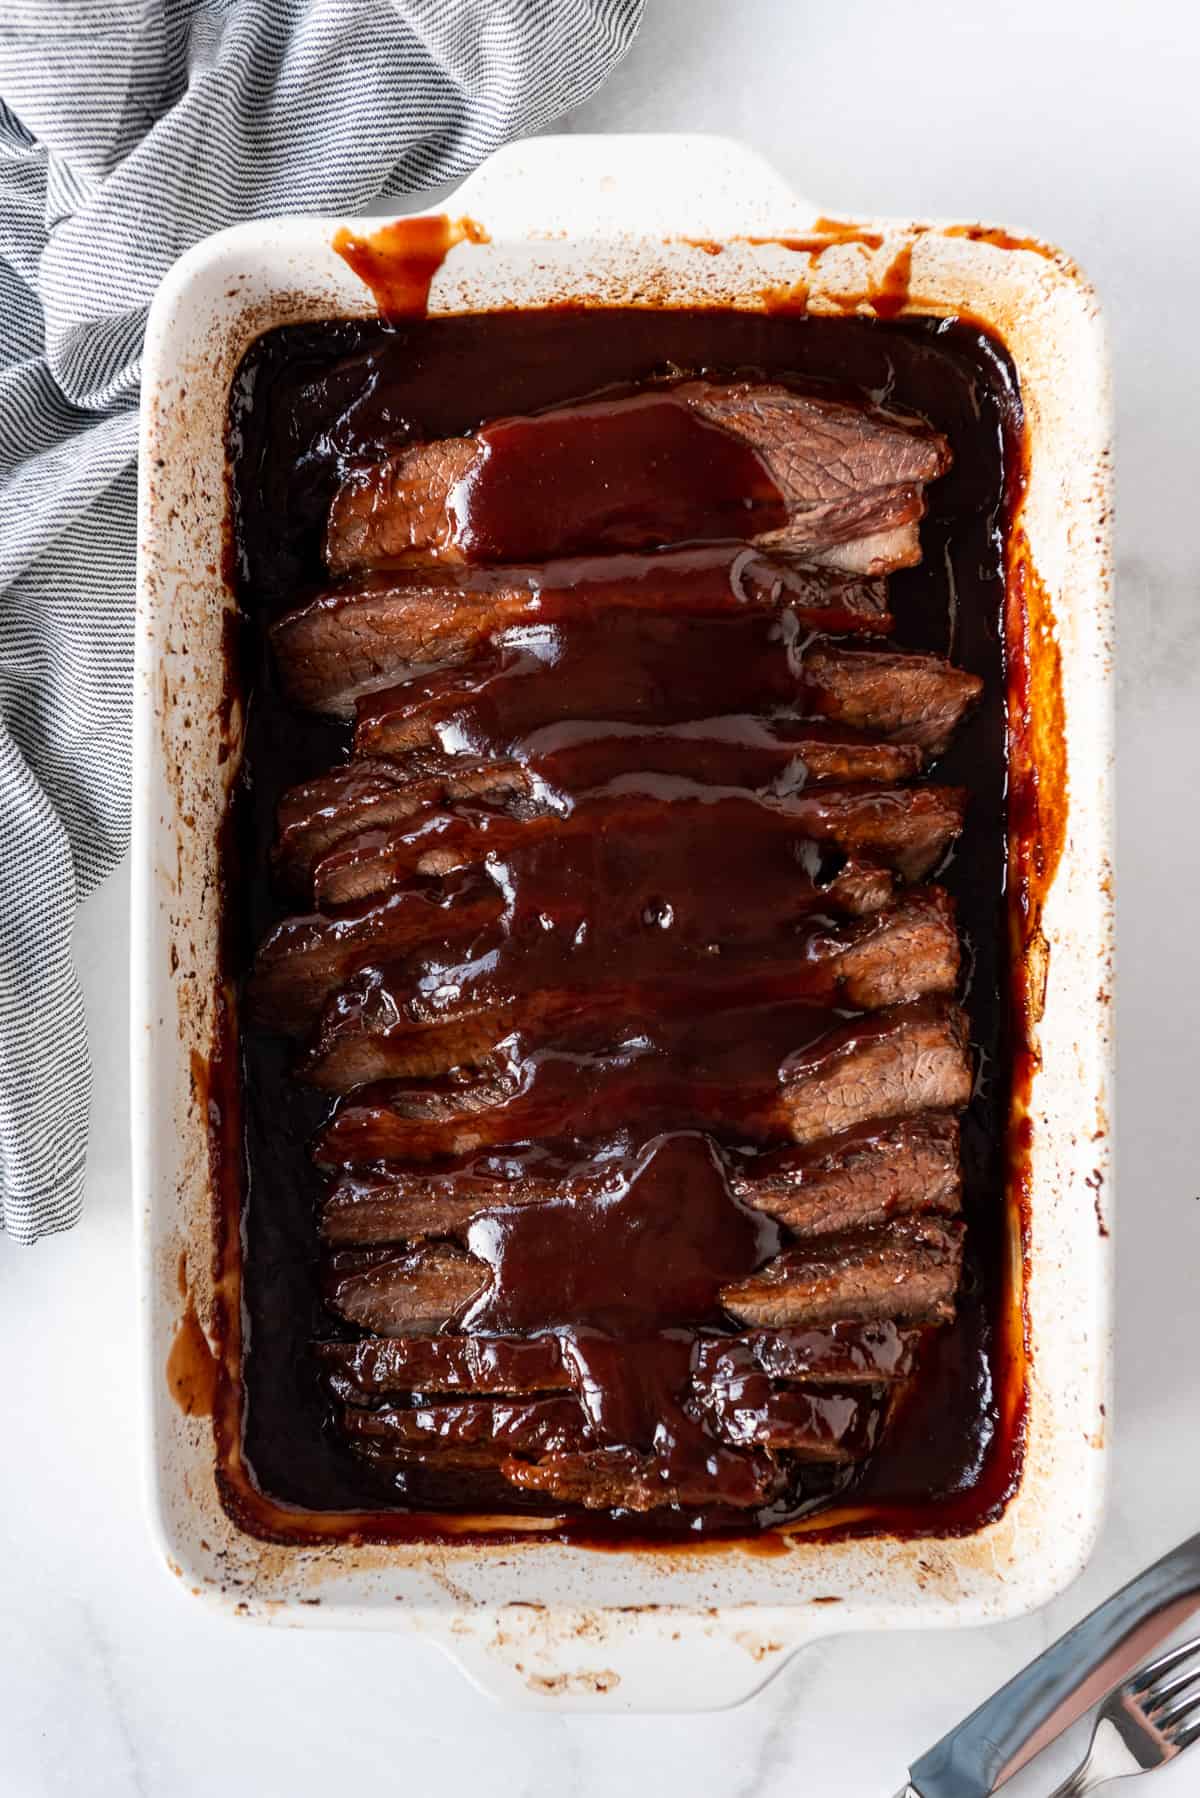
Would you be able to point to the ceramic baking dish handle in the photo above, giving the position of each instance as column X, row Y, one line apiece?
column 645, row 1658
column 703, row 187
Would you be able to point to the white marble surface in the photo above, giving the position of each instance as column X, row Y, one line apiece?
column 1078, row 119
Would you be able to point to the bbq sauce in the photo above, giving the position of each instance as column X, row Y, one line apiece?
column 399, row 261
column 308, row 403
column 651, row 857
column 651, row 1253
column 632, row 474
column 625, row 668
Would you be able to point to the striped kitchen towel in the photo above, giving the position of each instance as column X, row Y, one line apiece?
column 128, row 130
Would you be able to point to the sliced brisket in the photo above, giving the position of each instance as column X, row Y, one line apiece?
column 905, row 828
column 774, row 757
column 373, row 630
column 839, row 1354
column 641, row 669
column 305, row 959
column 907, row 1270
column 381, row 1027
column 608, row 1479
column 687, row 876
column 361, row 1371
column 531, row 1426
column 673, row 465
column 405, row 1295
column 915, row 698
column 750, row 1412
column 844, row 1353
column 865, row 1175
column 777, row 1072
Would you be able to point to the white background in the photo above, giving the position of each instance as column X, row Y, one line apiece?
column 1077, row 119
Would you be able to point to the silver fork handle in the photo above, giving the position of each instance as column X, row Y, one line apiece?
column 1107, row 1758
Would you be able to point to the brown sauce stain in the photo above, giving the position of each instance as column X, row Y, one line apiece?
column 192, row 1367
column 822, row 239
column 890, row 297
column 1038, row 814
column 887, row 297
column 770, row 1546
column 1001, row 240
column 826, row 234
column 1038, row 810
column 792, row 298
column 1095, row 1181
column 399, row 261
column 845, row 231
column 1038, row 794
column 199, row 1074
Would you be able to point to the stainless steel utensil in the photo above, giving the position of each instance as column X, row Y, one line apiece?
column 1144, row 1724
column 1056, row 1689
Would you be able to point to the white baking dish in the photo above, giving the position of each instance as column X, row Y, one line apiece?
column 608, row 221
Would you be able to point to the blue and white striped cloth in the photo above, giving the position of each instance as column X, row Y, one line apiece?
column 128, row 130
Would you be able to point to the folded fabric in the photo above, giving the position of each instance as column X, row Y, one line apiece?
column 129, row 129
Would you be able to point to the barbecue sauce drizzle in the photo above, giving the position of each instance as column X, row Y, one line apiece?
column 307, row 403
column 633, row 475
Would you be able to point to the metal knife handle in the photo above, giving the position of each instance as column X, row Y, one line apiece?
column 1050, row 1694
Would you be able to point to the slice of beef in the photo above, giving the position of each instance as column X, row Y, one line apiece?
column 907, row 1270
column 671, row 465
column 391, row 512
column 373, row 630
column 844, row 472
column 303, row 960
column 840, row 1354
column 380, row 1027
column 776, row 1072
column 360, row 795
column 862, row 1176
column 444, row 1477
column 844, row 1353
column 405, row 1295
column 635, row 668
column 361, row 1371
column 552, row 876
column 749, row 1411
column 888, row 1065
column 774, row 757
column 675, row 823
column 527, row 1426
column 609, row 1479
column 404, row 1204
column 919, row 699
column 813, row 1426
column 778, row 754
